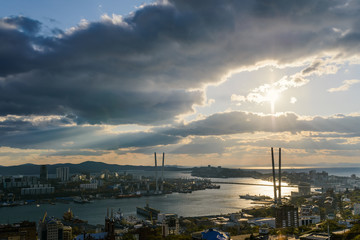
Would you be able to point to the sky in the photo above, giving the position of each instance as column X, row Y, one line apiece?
column 208, row 82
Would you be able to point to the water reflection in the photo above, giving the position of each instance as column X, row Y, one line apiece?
column 199, row 203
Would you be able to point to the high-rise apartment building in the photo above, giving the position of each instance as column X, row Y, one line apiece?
column 43, row 173
column 286, row 216
column 67, row 233
column 50, row 229
column 62, row 173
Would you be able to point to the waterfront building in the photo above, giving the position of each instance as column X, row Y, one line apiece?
column 38, row 189
column 62, row 173
column 88, row 186
column 23, row 231
column 304, row 189
column 43, row 173
column 286, row 216
column 148, row 212
column 18, row 181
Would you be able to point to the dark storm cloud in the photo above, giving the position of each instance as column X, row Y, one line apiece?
column 27, row 25
column 139, row 70
column 56, row 134
column 75, row 153
column 15, row 124
column 133, row 140
column 242, row 122
column 207, row 135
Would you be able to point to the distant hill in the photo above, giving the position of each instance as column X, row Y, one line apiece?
column 89, row 166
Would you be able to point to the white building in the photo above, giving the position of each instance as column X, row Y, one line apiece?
column 307, row 215
column 62, row 173
column 307, row 220
column 18, row 181
column 38, row 189
column 356, row 210
column 270, row 222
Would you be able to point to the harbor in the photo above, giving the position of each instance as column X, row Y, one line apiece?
column 198, row 203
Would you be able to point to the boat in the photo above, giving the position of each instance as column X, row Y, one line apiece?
column 147, row 211
column 185, row 191
column 81, row 200
column 118, row 216
column 132, row 195
column 255, row 197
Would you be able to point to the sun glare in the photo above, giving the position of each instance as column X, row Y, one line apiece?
column 272, row 96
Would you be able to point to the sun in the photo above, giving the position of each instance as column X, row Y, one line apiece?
column 272, row 96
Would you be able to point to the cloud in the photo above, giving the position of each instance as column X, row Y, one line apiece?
column 61, row 133
column 144, row 67
column 12, row 124
column 242, row 122
column 346, row 85
column 24, row 24
column 267, row 92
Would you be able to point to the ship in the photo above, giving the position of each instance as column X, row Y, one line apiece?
column 255, row 197
column 131, row 195
column 81, row 200
column 148, row 212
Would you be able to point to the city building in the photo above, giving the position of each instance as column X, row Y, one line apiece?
column 269, row 222
column 38, row 189
column 169, row 224
column 356, row 210
column 18, row 181
column 22, row 231
column 286, row 216
column 110, row 227
column 62, row 173
column 308, row 216
column 43, row 173
column 304, row 189
column 50, row 229
column 88, row 186
column 67, row 233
